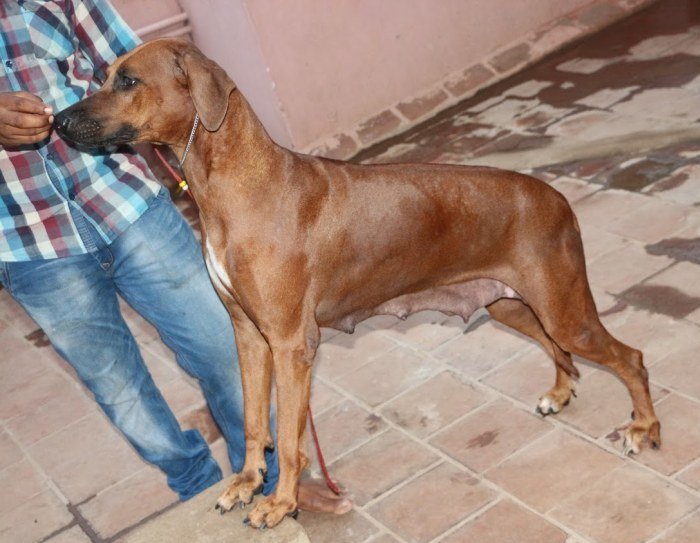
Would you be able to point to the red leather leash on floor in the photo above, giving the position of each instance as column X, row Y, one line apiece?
column 183, row 187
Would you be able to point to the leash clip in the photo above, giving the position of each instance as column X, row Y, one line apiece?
column 182, row 187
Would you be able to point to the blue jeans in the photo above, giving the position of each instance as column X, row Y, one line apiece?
column 156, row 265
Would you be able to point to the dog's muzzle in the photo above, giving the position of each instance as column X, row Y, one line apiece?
column 75, row 125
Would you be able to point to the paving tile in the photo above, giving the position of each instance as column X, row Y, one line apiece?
column 481, row 350
column 682, row 276
column 40, row 516
column 381, row 322
column 68, row 405
column 20, row 482
column 483, row 439
column 432, row 503
column 652, row 222
column 602, row 403
column 507, row 522
column 32, row 388
column 604, row 207
column 346, row 426
column 128, row 502
column 526, row 378
column 346, row 353
column 503, row 113
column 9, row 451
column 201, row 419
column 691, row 476
column 687, row 531
column 678, row 371
column 86, row 457
column 665, row 103
column 538, row 117
column 605, row 98
column 680, row 433
column 384, row 538
column 160, row 362
column 387, row 375
column 574, row 189
column 433, row 404
column 427, row 330
column 628, row 505
column 219, row 451
column 597, row 242
column 72, row 535
column 12, row 312
column 682, row 187
column 552, row 469
column 658, row 336
column 372, row 469
column 324, row 528
column 618, row 270
column 322, row 396
column 181, row 395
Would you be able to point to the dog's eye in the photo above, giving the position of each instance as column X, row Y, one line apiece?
column 123, row 81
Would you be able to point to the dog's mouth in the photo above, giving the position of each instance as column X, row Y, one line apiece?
column 76, row 127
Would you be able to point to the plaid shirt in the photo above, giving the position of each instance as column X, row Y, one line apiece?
column 59, row 50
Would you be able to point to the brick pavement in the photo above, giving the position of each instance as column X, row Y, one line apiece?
column 430, row 422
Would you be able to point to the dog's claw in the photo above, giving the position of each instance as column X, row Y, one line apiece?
column 246, row 521
column 263, row 526
column 294, row 514
column 241, row 505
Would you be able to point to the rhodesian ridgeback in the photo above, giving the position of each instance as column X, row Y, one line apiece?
column 296, row 242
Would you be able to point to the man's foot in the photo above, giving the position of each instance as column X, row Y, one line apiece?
column 315, row 496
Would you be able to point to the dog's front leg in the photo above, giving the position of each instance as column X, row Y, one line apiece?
column 292, row 360
column 255, row 360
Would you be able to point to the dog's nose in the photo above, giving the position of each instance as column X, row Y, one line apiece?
column 62, row 121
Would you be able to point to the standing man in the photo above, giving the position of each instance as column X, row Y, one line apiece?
column 78, row 228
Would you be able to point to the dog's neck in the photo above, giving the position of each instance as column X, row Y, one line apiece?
column 240, row 152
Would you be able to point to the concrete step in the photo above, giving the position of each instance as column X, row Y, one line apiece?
column 196, row 521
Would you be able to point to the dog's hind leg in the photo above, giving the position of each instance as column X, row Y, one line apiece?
column 519, row 316
column 557, row 290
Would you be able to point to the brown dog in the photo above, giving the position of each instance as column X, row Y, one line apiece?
column 295, row 242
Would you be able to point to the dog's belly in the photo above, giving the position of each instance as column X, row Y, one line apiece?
column 457, row 299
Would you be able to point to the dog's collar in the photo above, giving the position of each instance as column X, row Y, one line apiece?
column 195, row 124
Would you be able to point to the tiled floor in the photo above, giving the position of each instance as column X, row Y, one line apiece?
column 433, row 429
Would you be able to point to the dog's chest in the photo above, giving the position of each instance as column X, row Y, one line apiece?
column 217, row 272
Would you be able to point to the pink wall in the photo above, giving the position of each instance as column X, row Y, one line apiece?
column 315, row 68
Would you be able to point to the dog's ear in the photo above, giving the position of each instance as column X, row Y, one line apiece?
column 209, row 87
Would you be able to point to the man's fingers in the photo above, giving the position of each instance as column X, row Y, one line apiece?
column 24, row 120
column 24, row 102
column 16, row 141
column 12, row 131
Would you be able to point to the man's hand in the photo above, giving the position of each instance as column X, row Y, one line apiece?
column 24, row 119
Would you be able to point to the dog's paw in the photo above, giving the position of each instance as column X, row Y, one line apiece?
column 640, row 432
column 555, row 400
column 270, row 511
column 241, row 491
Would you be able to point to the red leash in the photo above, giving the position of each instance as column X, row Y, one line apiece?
column 322, row 461
column 183, row 187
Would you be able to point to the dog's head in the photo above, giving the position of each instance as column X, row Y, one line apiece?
column 151, row 94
